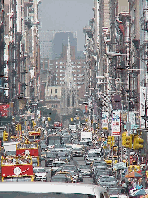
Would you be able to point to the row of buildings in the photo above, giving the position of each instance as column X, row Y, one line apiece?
column 20, row 54
column 37, row 66
column 45, row 67
column 116, row 48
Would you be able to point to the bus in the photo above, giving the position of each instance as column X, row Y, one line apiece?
column 30, row 149
column 16, row 169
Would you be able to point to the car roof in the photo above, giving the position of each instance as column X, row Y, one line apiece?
column 48, row 187
column 38, row 168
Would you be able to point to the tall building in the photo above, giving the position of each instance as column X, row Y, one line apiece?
column 46, row 38
column 56, row 78
column 60, row 40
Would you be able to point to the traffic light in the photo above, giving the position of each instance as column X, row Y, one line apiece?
column 34, row 123
column 17, row 127
column 5, row 136
column 49, row 119
column 113, row 140
column 109, row 140
column 124, row 138
column 128, row 142
column 138, row 142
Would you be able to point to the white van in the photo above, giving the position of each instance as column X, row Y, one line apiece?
column 51, row 189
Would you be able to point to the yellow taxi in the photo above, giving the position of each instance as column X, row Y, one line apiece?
column 109, row 160
column 66, row 173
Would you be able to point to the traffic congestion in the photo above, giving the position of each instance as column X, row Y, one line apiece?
column 70, row 156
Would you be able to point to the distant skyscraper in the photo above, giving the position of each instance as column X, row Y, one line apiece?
column 60, row 40
column 46, row 38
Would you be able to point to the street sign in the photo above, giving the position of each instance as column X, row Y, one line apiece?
column 116, row 123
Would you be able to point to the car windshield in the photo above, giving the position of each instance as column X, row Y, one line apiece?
column 11, row 153
column 58, row 164
column 48, row 154
column 99, row 163
column 69, row 167
column 39, row 170
column 113, row 191
column 77, row 149
column 60, row 154
column 44, row 195
column 107, row 179
column 93, row 154
column 83, row 166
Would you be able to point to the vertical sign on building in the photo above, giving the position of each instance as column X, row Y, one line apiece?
column 105, row 116
column 116, row 123
column 132, row 119
column 142, row 104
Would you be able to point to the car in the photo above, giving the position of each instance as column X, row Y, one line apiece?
column 99, row 174
column 110, row 159
column 99, row 164
column 65, row 173
column 61, row 178
column 50, row 156
column 72, row 169
column 77, row 152
column 64, row 156
column 69, row 167
column 114, row 191
column 57, row 166
column 107, row 181
column 40, row 174
column 91, row 156
column 85, row 170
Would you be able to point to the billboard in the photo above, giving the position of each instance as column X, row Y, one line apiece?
column 116, row 122
column 105, row 116
column 4, row 110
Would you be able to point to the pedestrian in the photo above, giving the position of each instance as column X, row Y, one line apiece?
column 124, row 187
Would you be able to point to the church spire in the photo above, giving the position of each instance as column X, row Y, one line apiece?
column 68, row 54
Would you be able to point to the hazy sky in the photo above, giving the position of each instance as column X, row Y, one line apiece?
column 66, row 15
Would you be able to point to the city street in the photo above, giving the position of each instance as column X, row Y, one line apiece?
column 74, row 98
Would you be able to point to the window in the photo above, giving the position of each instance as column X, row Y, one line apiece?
column 51, row 91
column 55, row 90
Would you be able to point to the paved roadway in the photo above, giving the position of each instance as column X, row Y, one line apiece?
column 79, row 161
column 76, row 160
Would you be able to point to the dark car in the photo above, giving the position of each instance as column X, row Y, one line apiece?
column 50, row 156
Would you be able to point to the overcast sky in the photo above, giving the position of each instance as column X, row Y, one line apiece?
column 66, row 15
